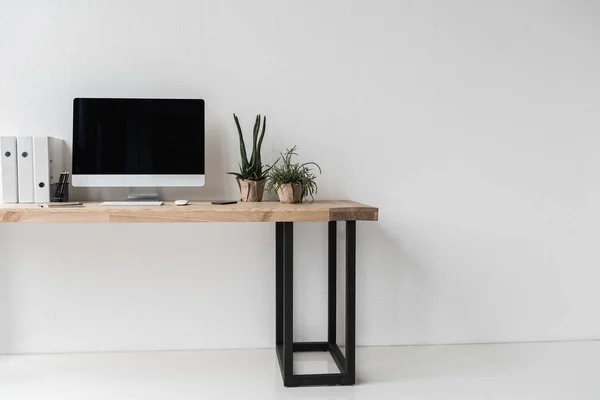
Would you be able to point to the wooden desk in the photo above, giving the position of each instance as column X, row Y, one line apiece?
column 319, row 211
column 284, row 216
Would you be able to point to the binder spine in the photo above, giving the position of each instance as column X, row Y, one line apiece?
column 25, row 167
column 41, row 174
column 57, row 161
column 8, row 170
column 47, row 165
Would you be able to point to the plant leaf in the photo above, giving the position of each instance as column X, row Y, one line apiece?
column 242, row 144
column 254, row 141
column 312, row 163
column 262, row 135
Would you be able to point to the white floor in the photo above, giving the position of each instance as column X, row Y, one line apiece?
column 507, row 371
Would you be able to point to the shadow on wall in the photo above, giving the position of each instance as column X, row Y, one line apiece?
column 389, row 298
column 215, row 165
column 392, row 280
column 215, row 170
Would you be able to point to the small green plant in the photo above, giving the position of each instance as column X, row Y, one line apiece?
column 252, row 169
column 293, row 172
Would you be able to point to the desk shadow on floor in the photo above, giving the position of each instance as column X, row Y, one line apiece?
column 414, row 363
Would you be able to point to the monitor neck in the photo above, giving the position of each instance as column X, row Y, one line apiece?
column 143, row 193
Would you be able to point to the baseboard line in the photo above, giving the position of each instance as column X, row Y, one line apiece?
column 271, row 348
column 486, row 343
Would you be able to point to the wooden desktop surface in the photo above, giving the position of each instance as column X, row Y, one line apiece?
column 196, row 211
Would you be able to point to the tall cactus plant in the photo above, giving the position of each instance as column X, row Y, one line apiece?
column 252, row 169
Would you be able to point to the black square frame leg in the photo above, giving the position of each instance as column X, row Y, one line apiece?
column 284, row 309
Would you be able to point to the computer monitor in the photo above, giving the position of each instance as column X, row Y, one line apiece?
column 138, row 143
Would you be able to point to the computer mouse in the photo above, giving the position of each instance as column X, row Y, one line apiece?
column 181, row 202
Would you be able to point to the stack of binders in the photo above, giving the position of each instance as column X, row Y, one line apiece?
column 30, row 168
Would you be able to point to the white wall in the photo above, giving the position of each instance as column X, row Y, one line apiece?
column 473, row 125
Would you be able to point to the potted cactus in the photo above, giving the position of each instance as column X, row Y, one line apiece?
column 252, row 174
column 292, row 181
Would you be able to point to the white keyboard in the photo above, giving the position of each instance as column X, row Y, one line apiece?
column 133, row 203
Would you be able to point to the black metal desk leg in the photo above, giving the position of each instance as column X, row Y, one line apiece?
column 350, row 301
column 279, row 283
column 284, row 310
column 288, row 303
column 332, row 283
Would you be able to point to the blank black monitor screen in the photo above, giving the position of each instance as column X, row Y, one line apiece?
column 138, row 137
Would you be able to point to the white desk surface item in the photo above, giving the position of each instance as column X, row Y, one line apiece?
column 133, row 203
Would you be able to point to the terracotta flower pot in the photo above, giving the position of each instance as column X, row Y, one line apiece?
column 290, row 193
column 251, row 190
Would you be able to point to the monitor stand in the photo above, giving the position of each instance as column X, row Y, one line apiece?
column 142, row 193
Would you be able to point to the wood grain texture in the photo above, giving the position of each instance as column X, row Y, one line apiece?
column 330, row 210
